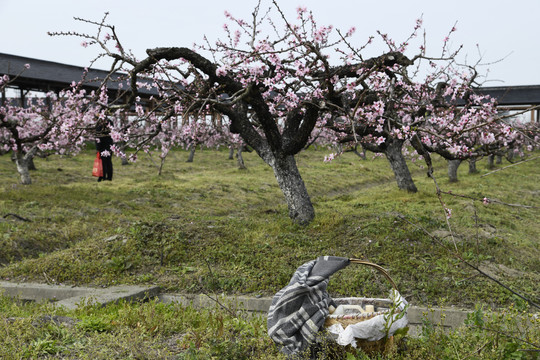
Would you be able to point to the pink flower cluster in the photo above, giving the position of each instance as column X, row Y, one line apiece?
column 294, row 69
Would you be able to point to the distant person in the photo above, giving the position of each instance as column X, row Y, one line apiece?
column 103, row 146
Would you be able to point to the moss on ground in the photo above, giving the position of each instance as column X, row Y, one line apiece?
column 210, row 226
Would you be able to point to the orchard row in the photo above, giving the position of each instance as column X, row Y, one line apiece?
column 277, row 85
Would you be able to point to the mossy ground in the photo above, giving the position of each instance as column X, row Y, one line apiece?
column 208, row 226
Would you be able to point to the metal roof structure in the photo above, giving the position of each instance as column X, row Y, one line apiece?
column 513, row 95
column 47, row 76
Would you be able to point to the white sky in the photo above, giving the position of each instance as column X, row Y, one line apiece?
column 502, row 29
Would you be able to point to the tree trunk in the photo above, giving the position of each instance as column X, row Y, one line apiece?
column 191, row 153
column 511, row 154
column 453, row 166
column 472, row 166
column 399, row 165
column 362, row 154
column 240, row 159
column 499, row 159
column 31, row 165
column 231, row 152
column 291, row 184
column 490, row 161
column 22, row 163
column 162, row 162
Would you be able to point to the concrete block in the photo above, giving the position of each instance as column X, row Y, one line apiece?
column 110, row 295
column 40, row 292
column 71, row 297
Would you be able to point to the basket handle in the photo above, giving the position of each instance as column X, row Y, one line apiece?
column 378, row 267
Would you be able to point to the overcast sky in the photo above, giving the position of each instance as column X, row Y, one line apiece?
column 508, row 30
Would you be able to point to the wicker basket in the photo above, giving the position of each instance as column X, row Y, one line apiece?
column 381, row 306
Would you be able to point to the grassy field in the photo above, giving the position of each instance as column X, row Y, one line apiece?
column 208, row 226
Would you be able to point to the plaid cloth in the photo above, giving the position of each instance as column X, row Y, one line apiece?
column 298, row 311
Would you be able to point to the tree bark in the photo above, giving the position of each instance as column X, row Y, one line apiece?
column 362, row 154
column 491, row 158
column 291, row 184
column 31, row 165
column 399, row 165
column 161, row 163
column 472, row 166
column 453, row 166
column 231, row 152
column 240, row 159
column 23, row 162
column 511, row 154
column 191, row 153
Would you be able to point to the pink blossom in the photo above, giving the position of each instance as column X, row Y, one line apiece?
column 237, row 35
column 329, row 157
column 448, row 212
column 487, row 138
column 221, row 71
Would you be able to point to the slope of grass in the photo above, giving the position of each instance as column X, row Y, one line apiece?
column 208, row 225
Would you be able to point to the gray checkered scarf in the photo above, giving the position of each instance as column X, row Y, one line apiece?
column 298, row 310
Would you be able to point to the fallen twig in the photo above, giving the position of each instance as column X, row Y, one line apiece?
column 215, row 298
column 17, row 217
column 521, row 162
column 537, row 346
column 47, row 279
column 488, row 200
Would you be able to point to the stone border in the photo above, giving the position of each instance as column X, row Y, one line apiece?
column 70, row 297
column 448, row 318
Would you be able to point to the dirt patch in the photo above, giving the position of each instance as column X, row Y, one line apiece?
column 500, row 270
column 174, row 343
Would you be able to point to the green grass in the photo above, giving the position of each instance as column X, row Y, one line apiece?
column 210, row 225
column 154, row 330
column 149, row 330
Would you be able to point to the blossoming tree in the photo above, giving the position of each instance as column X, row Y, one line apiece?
column 49, row 124
column 440, row 112
column 280, row 83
